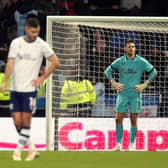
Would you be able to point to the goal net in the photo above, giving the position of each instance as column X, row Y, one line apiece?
column 85, row 47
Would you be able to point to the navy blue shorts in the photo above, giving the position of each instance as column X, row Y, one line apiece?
column 23, row 101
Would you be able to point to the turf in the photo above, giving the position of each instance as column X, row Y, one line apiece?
column 89, row 160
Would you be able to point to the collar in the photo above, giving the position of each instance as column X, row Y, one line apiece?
column 130, row 58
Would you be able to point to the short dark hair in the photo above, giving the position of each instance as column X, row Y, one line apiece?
column 129, row 41
column 32, row 22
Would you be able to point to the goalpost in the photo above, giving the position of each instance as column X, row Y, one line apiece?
column 85, row 46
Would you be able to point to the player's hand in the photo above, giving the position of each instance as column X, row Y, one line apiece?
column 141, row 87
column 38, row 81
column 118, row 86
column 4, row 87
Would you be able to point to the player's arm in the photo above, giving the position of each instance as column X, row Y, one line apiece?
column 140, row 88
column 54, row 63
column 10, row 64
column 108, row 72
column 8, row 71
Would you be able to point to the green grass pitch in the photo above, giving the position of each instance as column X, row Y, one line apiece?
column 88, row 160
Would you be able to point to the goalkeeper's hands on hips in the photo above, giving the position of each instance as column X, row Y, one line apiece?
column 116, row 85
column 141, row 87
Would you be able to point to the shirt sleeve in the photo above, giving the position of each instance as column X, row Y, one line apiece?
column 47, row 50
column 109, row 70
column 13, row 50
column 152, row 74
column 147, row 66
column 151, row 70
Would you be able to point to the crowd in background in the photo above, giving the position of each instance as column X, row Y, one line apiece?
column 13, row 14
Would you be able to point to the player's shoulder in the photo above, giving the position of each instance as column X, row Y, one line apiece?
column 17, row 39
column 41, row 41
column 120, row 59
column 140, row 58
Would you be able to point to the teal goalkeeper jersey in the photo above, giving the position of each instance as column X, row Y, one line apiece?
column 130, row 71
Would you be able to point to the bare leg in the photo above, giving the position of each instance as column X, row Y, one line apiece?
column 17, row 119
column 134, row 118
column 26, row 119
column 119, row 118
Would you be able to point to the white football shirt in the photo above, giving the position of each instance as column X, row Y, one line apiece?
column 28, row 59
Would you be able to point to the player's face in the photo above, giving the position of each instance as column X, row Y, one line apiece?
column 130, row 49
column 32, row 32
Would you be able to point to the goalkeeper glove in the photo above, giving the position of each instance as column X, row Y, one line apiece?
column 141, row 87
column 118, row 86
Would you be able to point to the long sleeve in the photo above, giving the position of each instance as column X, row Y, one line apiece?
column 148, row 67
column 113, row 67
column 152, row 74
column 108, row 72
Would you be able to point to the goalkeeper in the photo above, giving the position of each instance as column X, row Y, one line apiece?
column 129, row 88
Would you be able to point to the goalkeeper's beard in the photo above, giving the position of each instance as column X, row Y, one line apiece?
column 130, row 55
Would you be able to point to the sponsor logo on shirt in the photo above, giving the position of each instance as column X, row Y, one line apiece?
column 26, row 56
column 129, row 71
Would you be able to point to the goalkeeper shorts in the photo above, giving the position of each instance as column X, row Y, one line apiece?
column 129, row 101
